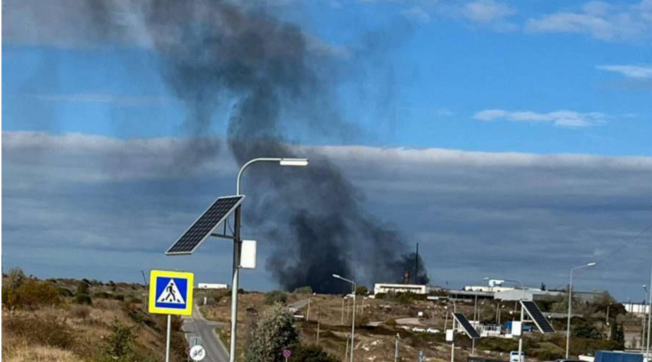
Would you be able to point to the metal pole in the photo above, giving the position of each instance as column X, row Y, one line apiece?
column 318, row 314
column 453, row 343
column 353, row 324
column 237, row 244
column 649, row 322
column 520, row 339
column 607, row 319
column 167, row 341
column 396, row 349
column 342, row 322
column 308, row 316
column 570, row 311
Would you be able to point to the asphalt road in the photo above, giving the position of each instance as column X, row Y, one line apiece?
column 205, row 329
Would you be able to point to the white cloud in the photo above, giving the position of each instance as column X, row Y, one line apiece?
column 560, row 118
column 416, row 13
column 127, row 101
column 599, row 20
column 629, row 71
column 487, row 11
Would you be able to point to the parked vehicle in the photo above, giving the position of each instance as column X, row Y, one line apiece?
column 418, row 330
column 432, row 330
column 514, row 357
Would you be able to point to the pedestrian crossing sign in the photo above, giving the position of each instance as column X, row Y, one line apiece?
column 170, row 292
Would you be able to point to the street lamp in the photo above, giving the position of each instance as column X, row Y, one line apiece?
column 237, row 243
column 645, row 303
column 649, row 323
column 520, row 338
column 570, row 304
column 353, row 319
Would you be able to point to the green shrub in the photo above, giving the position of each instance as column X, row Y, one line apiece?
column 83, row 299
column 312, row 353
column 102, row 295
column 391, row 322
column 303, row 290
column 35, row 293
column 65, row 292
column 119, row 345
column 270, row 335
column 119, row 297
column 15, row 278
column 275, row 296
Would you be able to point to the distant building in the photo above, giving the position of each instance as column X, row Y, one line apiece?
column 212, row 286
column 636, row 308
column 381, row 288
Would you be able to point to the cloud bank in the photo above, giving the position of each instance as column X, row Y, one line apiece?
column 74, row 202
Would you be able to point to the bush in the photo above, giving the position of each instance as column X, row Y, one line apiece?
column 65, row 292
column 119, row 297
column 134, row 300
column 391, row 322
column 273, row 333
column 48, row 331
column 275, row 296
column 15, row 278
column 119, row 345
column 81, row 312
column 312, row 353
column 102, row 295
column 83, row 299
column 33, row 293
column 303, row 290
column 361, row 290
column 82, row 287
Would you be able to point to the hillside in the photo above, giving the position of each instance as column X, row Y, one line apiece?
column 60, row 320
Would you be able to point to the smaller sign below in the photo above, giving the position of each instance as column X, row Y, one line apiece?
column 197, row 353
column 248, row 254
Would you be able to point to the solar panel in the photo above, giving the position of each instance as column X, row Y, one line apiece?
column 537, row 317
column 204, row 226
column 468, row 328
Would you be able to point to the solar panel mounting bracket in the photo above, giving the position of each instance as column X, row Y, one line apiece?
column 206, row 224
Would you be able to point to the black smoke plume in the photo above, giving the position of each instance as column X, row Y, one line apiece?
column 269, row 73
column 215, row 50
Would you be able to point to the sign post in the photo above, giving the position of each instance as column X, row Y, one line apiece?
column 287, row 353
column 170, row 293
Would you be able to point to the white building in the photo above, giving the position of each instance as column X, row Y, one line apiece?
column 400, row 288
column 212, row 286
column 636, row 308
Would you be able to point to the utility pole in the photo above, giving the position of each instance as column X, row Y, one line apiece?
column 649, row 322
column 416, row 266
column 318, row 325
column 144, row 279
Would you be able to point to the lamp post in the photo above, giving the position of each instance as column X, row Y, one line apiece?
column 645, row 303
column 353, row 318
column 237, row 242
column 570, row 304
column 520, row 338
column 649, row 323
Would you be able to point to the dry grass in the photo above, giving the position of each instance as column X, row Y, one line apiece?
column 41, row 354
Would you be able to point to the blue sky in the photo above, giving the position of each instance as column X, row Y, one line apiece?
column 542, row 78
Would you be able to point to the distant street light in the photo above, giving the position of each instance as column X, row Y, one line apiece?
column 570, row 304
column 520, row 338
column 353, row 319
column 649, row 322
column 645, row 303
column 237, row 243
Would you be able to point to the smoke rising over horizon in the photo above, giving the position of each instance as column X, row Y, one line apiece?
column 218, row 53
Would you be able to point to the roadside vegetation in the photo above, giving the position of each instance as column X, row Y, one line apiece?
column 61, row 320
